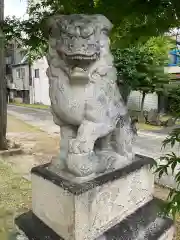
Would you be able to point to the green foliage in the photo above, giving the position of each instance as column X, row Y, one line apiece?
column 174, row 101
column 142, row 67
column 171, row 161
column 134, row 21
column 126, row 61
column 172, row 138
column 159, row 47
column 172, row 206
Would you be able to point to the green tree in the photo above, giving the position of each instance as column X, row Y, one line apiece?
column 134, row 21
column 142, row 67
column 173, row 95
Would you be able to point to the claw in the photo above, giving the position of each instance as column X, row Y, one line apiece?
column 77, row 147
column 85, row 148
column 70, row 146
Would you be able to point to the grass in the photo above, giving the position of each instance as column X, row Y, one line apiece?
column 16, row 125
column 165, row 117
column 37, row 106
column 148, row 127
column 15, row 198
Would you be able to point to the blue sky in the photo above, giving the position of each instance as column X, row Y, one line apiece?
column 15, row 7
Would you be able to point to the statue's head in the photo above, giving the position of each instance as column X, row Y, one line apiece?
column 79, row 36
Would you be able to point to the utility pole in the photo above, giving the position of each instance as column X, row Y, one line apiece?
column 3, row 89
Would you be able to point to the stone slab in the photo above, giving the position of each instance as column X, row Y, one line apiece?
column 85, row 211
column 145, row 223
column 79, row 188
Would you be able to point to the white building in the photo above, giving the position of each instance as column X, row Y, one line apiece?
column 39, row 91
column 17, row 73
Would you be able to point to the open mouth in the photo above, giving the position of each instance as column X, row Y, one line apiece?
column 82, row 56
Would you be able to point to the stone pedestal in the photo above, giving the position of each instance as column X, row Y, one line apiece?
column 115, row 205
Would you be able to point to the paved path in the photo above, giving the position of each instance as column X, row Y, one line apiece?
column 147, row 143
column 165, row 130
column 36, row 117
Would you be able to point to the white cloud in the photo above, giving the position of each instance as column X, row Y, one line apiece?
column 15, row 8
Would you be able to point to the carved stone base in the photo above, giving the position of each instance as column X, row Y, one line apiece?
column 84, row 211
column 144, row 224
column 88, row 165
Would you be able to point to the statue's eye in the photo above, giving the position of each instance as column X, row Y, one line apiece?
column 85, row 32
column 71, row 31
column 104, row 31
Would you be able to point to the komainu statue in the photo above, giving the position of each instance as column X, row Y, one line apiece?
column 96, row 131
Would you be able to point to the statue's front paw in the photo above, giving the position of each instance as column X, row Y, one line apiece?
column 78, row 147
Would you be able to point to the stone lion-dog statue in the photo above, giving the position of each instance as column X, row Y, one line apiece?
column 96, row 130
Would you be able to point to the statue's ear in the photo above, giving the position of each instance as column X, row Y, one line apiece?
column 52, row 24
column 104, row 23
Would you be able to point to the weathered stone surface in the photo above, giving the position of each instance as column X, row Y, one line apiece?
column 85, row 100
column 21, row 235
column 153, row 117
column 170, row 122
column 87, row 210
column 143, row 224
column 80, row 185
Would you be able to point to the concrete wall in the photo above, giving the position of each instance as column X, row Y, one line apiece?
column 134, row 101
column 39, row 92
column 151, row 100
column 172, row 69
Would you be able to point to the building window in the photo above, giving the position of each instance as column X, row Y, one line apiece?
column 18, row 94
column 10, row 78
column 20, row 73
column 8, row 70
column 36, row 73
column 9, row 60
